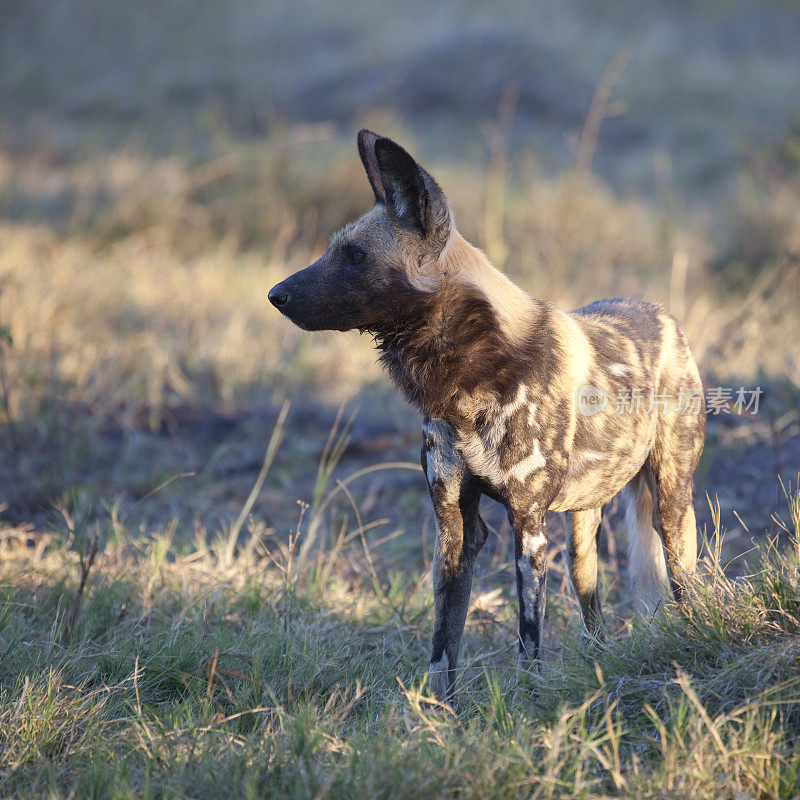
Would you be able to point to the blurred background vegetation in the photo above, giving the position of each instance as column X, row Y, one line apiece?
column 163, row 164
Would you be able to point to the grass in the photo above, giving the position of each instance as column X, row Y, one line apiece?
column 188, row 673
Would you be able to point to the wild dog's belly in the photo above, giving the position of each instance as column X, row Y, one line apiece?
column 605, row 455
column 588, row 485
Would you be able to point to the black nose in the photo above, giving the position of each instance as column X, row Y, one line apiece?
column 277, row 297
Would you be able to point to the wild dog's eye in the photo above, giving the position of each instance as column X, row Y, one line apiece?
column 357, row 255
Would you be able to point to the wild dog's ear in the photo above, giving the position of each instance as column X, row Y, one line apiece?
column 366, row 149
column 406, row 195
column 410, row 195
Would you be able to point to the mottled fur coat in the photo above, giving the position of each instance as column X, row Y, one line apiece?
column 535, row 407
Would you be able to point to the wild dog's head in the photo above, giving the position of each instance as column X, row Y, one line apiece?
column 377, row 264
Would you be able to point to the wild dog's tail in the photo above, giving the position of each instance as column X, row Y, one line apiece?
column 646, row 564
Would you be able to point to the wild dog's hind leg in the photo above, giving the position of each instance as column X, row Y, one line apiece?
column 673, row 459
column 582, row 558
column 646, row 565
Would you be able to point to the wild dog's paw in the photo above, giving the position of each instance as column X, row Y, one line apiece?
column 440, row 680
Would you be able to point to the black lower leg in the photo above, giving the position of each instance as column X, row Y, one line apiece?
column 531, row 563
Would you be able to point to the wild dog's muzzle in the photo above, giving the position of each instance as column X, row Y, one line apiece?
column 313, row 299
column 294, row 296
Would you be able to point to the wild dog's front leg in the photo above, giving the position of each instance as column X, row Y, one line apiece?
column 530, row 550
column 460, row 535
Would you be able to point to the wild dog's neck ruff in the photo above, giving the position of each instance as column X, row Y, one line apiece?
column 514, row 309
column 467, row 344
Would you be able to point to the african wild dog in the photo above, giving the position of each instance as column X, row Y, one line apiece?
column 503, row 381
